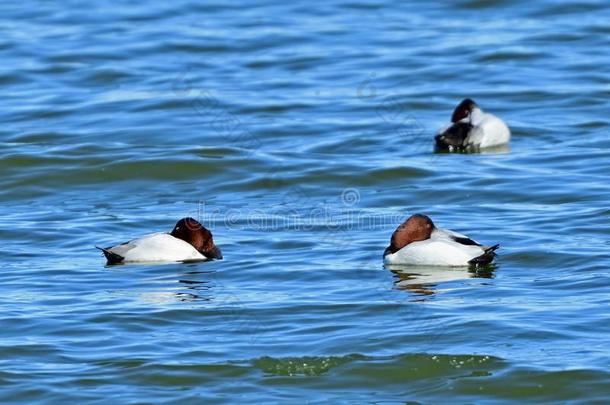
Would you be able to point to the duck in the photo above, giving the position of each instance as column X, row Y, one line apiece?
column 471, row 128
column 188, row 241
column 418, row 242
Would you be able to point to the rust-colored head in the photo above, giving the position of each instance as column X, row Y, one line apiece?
column 418, row 227
column 463, row 110
column 191, row 231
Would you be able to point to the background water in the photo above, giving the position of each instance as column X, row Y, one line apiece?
column 301, row 134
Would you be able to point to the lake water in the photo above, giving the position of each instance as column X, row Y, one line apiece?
column 302, row 134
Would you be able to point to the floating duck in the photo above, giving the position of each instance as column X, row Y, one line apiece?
column 188, row 241
column 417, row 241
column 471, row 128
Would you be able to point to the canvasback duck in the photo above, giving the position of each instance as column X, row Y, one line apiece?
column 471, row 128
column 189, row 240
column 418, row 242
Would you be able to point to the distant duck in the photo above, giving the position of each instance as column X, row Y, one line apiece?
column 188, row 241
column 471, row 128
column 418, row 242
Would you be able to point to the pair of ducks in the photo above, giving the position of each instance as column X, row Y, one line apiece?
column 417, row 241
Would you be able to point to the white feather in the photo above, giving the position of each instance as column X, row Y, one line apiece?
column 488, row 130
column 157, row 247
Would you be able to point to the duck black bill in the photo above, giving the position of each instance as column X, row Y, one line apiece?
column 214, row 253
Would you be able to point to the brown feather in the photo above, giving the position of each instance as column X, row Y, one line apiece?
column 418, row 227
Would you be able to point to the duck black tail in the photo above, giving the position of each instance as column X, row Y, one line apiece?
column 486, row 257
column 112, row 258
column 453, row 138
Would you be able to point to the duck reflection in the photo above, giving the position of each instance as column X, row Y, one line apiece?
column 492, row 150
column 426, row 280
column 185, row 285
column 197, row 287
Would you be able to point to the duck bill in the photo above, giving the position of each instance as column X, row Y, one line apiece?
column 213, row 253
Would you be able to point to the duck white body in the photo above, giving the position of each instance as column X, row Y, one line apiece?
column 189, row 240
column 156, row 247
column 439, row 250
column 472, row 128
column 487, row 130
column 418, row 242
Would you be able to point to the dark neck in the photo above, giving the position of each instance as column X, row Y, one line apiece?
column 389, row 250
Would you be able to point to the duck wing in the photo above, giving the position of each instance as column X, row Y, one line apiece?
column 465, row 241
column 457, row 237
column 116, row 254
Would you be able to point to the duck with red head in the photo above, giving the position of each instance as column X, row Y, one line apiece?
column 188, row 241
column 417, row 241
column 471, row 129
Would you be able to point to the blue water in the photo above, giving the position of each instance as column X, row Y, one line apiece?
column 301, row 135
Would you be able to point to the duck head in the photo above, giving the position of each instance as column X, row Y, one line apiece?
column 463, row 110
column 191, row 231
column 418, row 227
